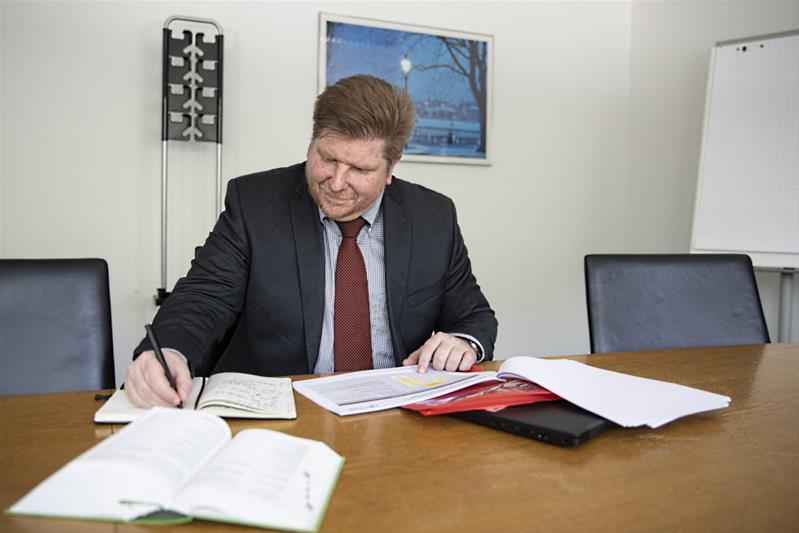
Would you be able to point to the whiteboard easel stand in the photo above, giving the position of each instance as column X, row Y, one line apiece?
column 738, row 91
column 786, row 304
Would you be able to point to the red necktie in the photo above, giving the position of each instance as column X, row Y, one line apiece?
column 352, row 331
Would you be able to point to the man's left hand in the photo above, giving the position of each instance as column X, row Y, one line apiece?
column 444, row 352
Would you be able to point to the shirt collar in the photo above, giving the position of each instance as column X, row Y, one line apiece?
column 369, row 216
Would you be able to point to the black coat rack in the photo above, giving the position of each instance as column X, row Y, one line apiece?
column 191, row 104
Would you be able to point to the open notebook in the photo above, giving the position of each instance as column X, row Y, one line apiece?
column 227, row 394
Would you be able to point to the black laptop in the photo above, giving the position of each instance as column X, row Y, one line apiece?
column 556, row 422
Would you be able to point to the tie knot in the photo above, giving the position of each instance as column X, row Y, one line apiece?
column 351, row 229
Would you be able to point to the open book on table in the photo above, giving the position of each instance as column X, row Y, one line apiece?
column 626, row 400
column 185, row 462
column 228, row 394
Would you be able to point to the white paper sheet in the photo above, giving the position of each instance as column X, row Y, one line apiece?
column 627, row 400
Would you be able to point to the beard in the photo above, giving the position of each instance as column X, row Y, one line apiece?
column 341, row 207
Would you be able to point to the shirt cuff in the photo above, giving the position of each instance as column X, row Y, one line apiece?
column 480, row 350
column 185, row 359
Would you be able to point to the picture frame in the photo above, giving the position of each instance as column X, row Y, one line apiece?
column 447, row 73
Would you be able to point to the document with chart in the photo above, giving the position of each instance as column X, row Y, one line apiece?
column 374, row 390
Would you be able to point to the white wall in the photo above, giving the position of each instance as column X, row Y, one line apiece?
column 583, row 160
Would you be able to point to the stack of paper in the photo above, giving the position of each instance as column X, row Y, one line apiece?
column 626, row 400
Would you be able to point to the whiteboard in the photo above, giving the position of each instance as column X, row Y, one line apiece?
column 747, row 197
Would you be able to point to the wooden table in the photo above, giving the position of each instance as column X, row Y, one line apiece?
column 731, row 470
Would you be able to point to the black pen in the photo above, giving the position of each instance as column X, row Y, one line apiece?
column 160, row 356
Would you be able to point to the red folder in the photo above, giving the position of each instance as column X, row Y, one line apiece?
column 489, row 395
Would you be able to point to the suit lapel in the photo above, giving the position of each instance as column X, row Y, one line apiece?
column 311, row 265
column 397, row 233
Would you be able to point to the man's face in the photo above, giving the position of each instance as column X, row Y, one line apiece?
column 345, row 176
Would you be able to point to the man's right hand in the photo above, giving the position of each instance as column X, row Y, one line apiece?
column 147, row 385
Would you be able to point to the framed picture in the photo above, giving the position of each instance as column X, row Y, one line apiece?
column 446, row 73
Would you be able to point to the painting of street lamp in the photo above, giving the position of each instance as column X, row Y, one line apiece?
column 405, row 65
column 446, row 73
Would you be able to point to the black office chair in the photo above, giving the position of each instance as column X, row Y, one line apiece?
column 648, row 302
column 55, row 326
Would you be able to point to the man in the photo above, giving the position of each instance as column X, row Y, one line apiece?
column 263, row 294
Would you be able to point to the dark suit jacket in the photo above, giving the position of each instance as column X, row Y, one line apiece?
column 253, row 299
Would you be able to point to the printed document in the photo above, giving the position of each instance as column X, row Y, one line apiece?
column 374, row 390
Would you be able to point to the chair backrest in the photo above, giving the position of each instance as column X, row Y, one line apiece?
column 648, row 302
column 55, row 326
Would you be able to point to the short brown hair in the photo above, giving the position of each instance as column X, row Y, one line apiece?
column 365, row 107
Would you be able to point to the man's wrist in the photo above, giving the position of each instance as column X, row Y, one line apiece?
column 474, row 344
column 185, row 359
column 476, row 347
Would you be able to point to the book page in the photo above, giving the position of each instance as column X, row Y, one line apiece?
column 170, row 445
column 145, row 463
column 265, row 396
column 264, row 478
